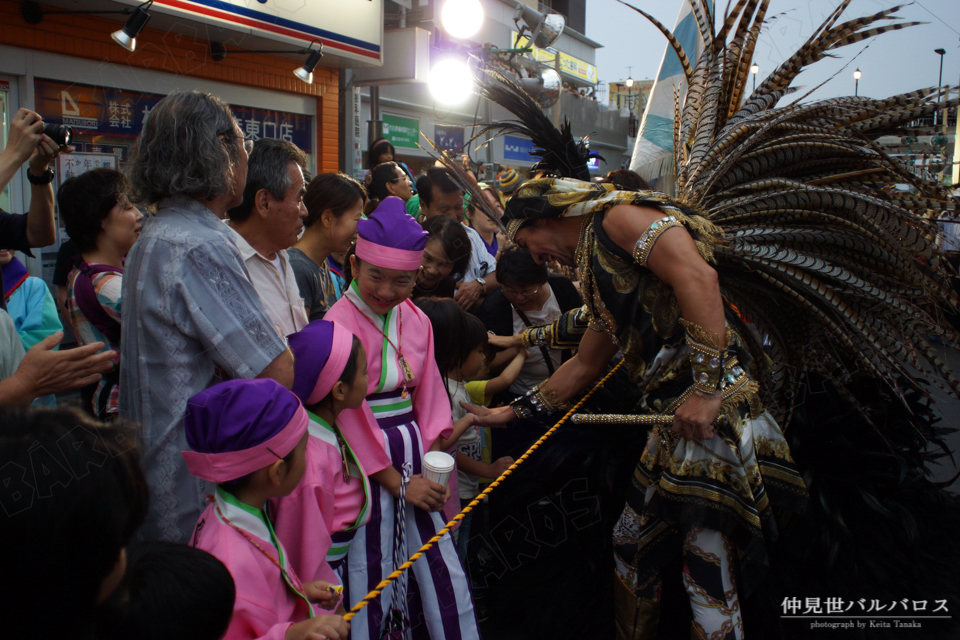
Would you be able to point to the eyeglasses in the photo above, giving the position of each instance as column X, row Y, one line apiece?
column 520, row 293
column 247, row 140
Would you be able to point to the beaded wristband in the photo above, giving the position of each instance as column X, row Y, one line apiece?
column 707, row 365
column 706, row 357
column 647, row 239
column 528, row 405
column 548, row 398
column 540, row 400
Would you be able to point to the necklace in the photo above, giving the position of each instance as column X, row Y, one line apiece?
column 340, row 442
column 407, row 371
column 292, row 580
column 588, row 282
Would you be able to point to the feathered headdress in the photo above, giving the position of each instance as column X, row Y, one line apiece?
column 827, row 272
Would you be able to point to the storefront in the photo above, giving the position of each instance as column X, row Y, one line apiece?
column 67, row 68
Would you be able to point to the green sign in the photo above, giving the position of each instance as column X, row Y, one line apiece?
column 402, row 132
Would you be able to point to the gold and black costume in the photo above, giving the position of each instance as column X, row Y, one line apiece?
column 833, row 286
column 728, row 483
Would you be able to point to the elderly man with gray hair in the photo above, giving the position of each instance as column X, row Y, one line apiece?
column 192, row 317
column 267, row 223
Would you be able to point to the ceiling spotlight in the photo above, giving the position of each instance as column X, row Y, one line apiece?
column 545, row 86
column 545, row 29
column 218, row 52
column 127, row 37
column 305, row 72
column 462, row 18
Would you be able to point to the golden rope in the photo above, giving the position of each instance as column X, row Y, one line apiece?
column 370, row 597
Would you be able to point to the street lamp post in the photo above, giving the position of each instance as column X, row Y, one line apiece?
column 754, row 69
column 941, row 53
column 856, row 82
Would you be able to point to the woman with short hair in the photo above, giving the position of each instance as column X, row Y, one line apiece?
column 103, row 224
column 445, row 258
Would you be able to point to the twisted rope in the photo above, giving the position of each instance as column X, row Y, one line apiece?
column 370, row 597
column 398, row 603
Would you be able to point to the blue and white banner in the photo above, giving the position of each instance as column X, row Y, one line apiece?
column 653, row 151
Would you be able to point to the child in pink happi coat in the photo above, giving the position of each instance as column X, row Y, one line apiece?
column 250, row 438
column 318, row 520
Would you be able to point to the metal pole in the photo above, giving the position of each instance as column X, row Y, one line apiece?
column 556, row 107
column 943, row 115
column 939, row 52
column 375, row 124
column 856, row 87
column 488, row 118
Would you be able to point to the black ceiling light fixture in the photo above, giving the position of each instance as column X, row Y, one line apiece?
column 127, row 37
column 33, row 13
column 218, row 52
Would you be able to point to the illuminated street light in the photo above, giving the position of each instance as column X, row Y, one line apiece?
column 462, row 18
column 451, row 81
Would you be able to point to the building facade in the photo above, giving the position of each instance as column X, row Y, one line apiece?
column 408, row 109
column 67, row 68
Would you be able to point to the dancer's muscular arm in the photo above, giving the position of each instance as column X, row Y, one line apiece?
column 676, row 261
column 573, row 376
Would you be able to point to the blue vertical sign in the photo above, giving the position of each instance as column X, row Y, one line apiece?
column 448, row 138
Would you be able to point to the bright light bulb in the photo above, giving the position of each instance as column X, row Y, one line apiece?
column 629, row 82
column 462, row 18
column 450, row 81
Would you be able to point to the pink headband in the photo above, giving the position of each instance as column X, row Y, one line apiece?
column 388, row 257
column 231, row 465
column 340, row 348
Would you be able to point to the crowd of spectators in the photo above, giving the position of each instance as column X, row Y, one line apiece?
column 239, row 250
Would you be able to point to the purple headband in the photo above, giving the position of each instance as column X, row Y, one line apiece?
column 240, row 426
column 321, row 351
column 390, row 238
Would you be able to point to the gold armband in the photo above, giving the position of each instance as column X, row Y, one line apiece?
column 647, row 239
column 536, row 336
column 706, row 357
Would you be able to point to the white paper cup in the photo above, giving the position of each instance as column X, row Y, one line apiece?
column 437, row 466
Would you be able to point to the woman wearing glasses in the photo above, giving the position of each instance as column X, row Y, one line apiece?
column 528, row 297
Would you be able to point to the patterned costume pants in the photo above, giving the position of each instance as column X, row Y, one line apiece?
column 708, row 577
